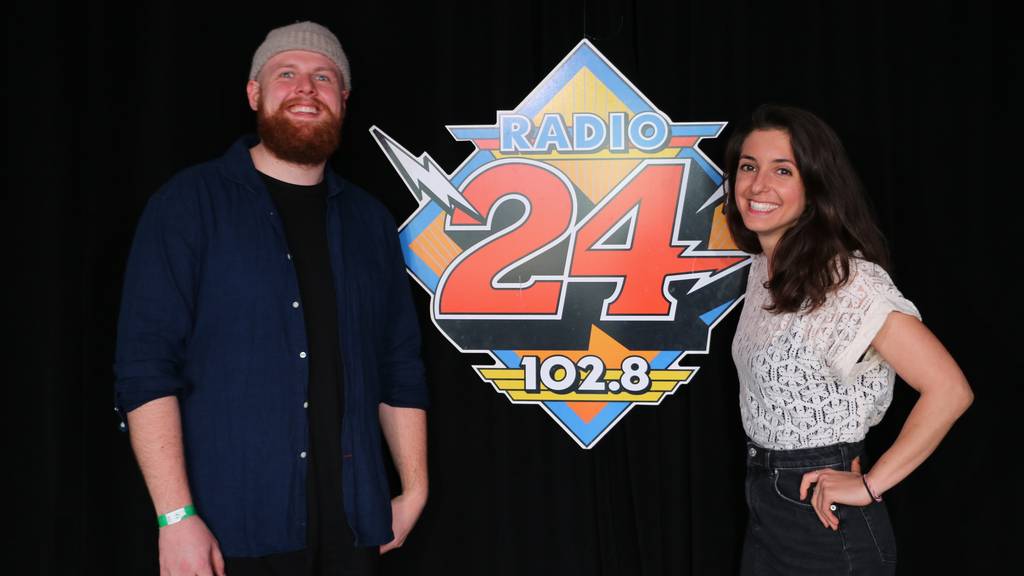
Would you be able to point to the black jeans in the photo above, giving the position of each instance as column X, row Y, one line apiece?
column 785, row 536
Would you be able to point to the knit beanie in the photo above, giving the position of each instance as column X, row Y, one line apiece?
column 308, row 36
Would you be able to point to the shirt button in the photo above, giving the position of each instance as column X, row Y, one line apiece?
column 305, row 404
column 302, row 354
column 302, row 454
column 295, row 304
column 752, row 452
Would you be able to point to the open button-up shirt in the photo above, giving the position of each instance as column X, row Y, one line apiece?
column 208, row 314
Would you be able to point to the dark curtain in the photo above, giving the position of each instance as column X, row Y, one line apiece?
column 108, row 100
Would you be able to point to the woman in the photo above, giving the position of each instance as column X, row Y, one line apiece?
column 822, row 334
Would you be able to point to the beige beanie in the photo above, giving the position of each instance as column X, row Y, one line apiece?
column 308, row 36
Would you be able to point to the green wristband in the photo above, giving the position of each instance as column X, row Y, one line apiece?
column 175, row 516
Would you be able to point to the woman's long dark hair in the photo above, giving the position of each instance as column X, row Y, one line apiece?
column 813, row 256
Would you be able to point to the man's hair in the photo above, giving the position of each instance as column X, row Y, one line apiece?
column 308, row 36
column 813, row 256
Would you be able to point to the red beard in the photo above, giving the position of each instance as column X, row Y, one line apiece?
column 305, row 143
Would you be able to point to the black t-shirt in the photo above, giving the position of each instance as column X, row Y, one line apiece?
column 303, row 211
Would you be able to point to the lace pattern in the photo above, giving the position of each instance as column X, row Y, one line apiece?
column 803, row 381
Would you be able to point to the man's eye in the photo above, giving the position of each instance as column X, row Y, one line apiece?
column 323, row 78
column 287, row 74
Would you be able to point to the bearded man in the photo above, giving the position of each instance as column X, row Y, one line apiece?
column 267, row 336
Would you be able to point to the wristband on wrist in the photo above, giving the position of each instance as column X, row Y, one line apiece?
column 175, row 516
column 868, row 488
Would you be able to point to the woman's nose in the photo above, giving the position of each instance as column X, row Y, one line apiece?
column 760, row 183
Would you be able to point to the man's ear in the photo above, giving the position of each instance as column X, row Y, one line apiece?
column 252, row 90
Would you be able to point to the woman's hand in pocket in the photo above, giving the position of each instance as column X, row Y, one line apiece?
column 834, row 487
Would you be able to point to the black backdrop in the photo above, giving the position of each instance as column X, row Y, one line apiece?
column 106, row 101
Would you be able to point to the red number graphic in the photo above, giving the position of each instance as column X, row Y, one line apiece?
column 470, row 286
column 650, row 197
column 643, row 265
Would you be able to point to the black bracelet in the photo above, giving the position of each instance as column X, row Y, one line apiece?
column 864, row 478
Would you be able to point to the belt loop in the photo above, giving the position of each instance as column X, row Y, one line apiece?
column 757, row 454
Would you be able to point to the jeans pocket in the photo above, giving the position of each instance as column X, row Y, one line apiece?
column 876, row 516
column 786, row 482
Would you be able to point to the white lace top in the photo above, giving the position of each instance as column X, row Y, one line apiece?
column 803, row 382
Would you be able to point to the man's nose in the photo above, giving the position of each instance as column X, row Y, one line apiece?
column 305, row 84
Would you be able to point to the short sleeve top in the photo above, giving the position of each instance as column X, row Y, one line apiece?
column 811, row 378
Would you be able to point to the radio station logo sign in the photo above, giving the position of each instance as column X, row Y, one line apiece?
column 582, row 246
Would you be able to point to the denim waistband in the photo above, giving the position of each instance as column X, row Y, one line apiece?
column 803, row 457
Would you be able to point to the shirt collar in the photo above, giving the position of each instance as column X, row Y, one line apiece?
column 238, row 166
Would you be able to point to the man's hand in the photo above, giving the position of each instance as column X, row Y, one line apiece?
column 187, row 548
column 405, row 511
column 405, row 430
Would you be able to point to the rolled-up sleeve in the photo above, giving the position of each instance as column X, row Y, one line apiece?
column 157, row 302
column 403, row 382
column 867, row 302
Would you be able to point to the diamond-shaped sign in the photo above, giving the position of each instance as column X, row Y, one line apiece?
column 581, row 245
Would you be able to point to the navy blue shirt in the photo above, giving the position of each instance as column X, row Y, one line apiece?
column 211, row 312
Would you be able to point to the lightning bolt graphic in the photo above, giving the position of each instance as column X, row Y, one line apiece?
column 718, row 194
column 706, row 277
column 423, row 176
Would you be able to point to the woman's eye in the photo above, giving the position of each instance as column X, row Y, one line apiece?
column 746, row 167
column 785, row 172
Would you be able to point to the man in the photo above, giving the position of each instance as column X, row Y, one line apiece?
column 267, row 335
